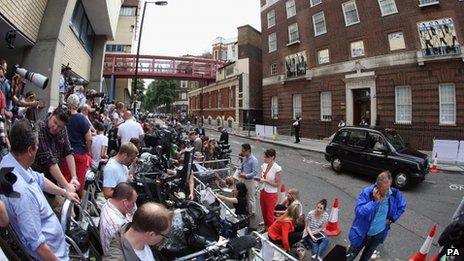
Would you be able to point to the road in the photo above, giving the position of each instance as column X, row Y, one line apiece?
column 433, row 201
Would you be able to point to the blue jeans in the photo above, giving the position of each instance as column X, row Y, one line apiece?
column 317, row 247
column 369, row 244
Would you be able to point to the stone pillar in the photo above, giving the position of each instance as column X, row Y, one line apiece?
column 98, row 58
column 46, row 55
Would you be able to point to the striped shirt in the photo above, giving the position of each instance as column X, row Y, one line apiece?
column 314, row 222
column 111, row 219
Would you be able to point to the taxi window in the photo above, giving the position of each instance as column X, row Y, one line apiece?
column 358, row 138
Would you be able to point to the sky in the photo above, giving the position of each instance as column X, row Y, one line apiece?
column 190, row 26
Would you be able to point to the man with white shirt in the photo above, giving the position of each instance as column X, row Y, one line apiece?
column 116, row 212
column 116, row 170
column 130, row 129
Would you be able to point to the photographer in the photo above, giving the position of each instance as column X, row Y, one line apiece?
column 5, row 87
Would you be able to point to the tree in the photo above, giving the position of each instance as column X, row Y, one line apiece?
column 160, row 92
column 138, row 95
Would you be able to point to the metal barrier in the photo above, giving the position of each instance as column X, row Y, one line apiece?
column 203, row 187
column 257, row 254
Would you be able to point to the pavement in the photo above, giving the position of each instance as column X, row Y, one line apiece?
column 314, row 145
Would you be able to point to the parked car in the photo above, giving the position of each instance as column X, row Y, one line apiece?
column 371, row 151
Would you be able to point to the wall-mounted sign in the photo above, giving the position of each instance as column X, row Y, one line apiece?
column 296, row 64
column 438, row 37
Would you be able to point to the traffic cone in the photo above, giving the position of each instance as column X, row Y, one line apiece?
column 332, row 228
column 421, row 255
column 434, row 168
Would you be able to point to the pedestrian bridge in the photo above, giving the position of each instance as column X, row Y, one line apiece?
column 155, row 66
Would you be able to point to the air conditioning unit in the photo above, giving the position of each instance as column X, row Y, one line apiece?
column 424, row 3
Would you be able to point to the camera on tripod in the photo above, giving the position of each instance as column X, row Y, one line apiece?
column 37, row 79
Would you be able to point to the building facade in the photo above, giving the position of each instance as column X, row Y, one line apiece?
column 123, row 43
column 397, row 64
column 235, row 98
column 223, row 49
column 50, row 34
column 181, row 103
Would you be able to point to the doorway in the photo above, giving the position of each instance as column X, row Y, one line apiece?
column 361, row 105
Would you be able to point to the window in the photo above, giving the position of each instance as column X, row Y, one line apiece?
column 396, row 41
column 127, row 11
column 296, row 105
column 231, row 98
column 271, row 19
column 403, row 105
column 319, row 24
column 358, row 138
column 357, row 49
column 315, row 2
column 81, row 27
column 274, row 107
column 387, row 7
column 219, row 99
column 350, row 12
column 274, row 69
column 271, row 2
column 423, row 3
column 272, row 42
column 293, row 35
column 291, row 9
column 323, row 56
column 183, row 96
column 447, row 104
column 326, row 106
column 117, row 48
column 341, row 137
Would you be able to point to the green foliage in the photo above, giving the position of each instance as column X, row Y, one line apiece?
column 138, row 95
column 160, row 92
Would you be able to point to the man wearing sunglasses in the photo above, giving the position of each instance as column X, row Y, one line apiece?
column 134, row 241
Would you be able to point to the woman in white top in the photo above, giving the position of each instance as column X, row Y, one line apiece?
column 270, row 184
column 316, row 220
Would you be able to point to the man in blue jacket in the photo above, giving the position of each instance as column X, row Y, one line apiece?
column 377, row 207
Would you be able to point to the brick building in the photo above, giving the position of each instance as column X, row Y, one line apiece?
column 235, row 97
column 396, row 63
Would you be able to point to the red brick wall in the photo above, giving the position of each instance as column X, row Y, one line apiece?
column 373, row 29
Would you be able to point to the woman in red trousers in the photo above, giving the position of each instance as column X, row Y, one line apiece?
column 270, row 184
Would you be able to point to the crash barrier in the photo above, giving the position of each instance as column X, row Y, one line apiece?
column 449, row 151
column 268, row 249
column 265, row 131
column 207, row 194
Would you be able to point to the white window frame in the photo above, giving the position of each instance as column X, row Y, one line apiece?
column 319, row 56
column 316, row 33
column 399, row 102
column 297, row 98
column 312, row 2
column 351, row 49
column 344, row 13
column 290, row 7
column 274, row 107
column 271, row 18
column 391, row 2
column 389, row 42
column 290, row 41
column 441, row 86
column 273, row 68
column 274, row 36
column 326, row 105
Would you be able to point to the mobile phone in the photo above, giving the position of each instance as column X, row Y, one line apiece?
column 318, row 236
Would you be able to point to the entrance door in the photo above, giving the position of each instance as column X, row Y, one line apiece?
column 361, row 106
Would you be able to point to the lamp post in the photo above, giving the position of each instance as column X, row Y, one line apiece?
column 134, row 89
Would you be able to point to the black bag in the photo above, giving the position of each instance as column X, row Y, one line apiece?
column 80, row 236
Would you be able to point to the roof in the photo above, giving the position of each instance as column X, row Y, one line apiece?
column 221, row 40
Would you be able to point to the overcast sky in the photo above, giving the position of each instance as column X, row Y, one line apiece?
column 190, row 26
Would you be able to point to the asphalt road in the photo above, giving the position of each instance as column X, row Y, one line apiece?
column 433, row 201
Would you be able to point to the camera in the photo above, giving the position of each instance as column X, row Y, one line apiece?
column 37, row 79
column 94, row 94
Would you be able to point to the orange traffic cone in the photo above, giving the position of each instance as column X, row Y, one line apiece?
column 421, row 255
column 434, row 168
column 332, row 228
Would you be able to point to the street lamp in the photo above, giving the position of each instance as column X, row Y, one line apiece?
column 134, row 89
